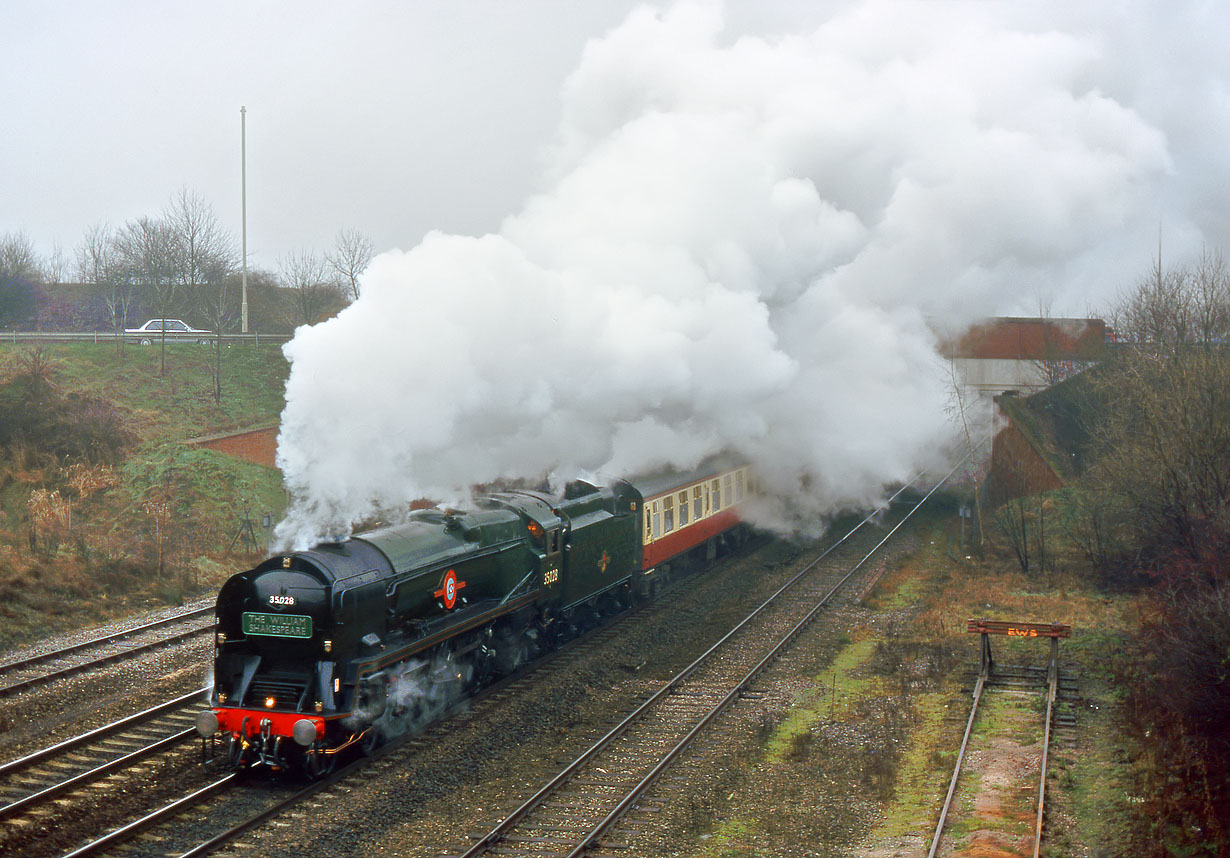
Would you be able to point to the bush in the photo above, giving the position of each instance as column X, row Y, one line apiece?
column 35, row 414
column 1179, row 697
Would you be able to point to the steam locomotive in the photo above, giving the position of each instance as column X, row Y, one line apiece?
column 352, row 642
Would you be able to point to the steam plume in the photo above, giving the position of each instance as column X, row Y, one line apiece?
column 739, row 245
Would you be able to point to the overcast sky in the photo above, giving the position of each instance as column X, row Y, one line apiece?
column 396, row 118
column 393, row 118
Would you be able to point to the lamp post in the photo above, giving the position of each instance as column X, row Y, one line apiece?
column 243, row 179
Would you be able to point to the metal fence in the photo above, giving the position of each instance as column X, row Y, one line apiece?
column 15, row 337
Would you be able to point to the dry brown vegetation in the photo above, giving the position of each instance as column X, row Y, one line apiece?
column 1165, row 459
column 102, row 508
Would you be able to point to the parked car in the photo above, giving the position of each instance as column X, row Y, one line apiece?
column 177, row 331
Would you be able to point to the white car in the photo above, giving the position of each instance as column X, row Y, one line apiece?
column 177, row 331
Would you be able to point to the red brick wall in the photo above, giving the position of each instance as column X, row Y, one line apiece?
column 255, row 445
column 1017, row 469
column 1034, row 339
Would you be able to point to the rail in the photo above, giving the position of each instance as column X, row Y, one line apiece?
column 102, row 661
column 14, row 766
column 134, row 828
column 985, row 628
column 28, row 661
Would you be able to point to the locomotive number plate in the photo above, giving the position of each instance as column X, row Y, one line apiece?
column 277, row 625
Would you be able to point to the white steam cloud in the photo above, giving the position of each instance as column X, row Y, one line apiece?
column 744, row 244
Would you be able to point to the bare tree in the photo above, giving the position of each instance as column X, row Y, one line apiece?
column 1166, row 441
column 316, row 294
column 214, row 299
column 1210, row 284
column 351, row 255
column 146, row 250
column 98, row 264
column 53, row 271
column 1167, row 447
column 201, row 247
column 1157, row 313
column 18, row 257
column 959, row 406
column 205, row 256
column 1056, row 363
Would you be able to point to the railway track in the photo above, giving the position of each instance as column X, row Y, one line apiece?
column 208, row 818
column 41, row 668
column 581, row 805
column 65, row 769
column 703, row 692
column 1022, row 686
column 177, row 828
column 190, row 825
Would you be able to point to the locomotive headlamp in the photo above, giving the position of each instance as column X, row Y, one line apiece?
column 221, row 638
column 328, row 646
column 269, row 701
column 221, row 696
column 207, row 723
column 320, row 707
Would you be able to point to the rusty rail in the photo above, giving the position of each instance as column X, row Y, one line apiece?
column 985, row 628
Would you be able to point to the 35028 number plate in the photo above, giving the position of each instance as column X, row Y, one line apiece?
column 277, row 625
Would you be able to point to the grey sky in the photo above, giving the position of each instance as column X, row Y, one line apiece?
column 396, row 118
column 390, row 117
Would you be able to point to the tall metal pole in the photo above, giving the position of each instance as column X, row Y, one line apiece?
column 243, row 168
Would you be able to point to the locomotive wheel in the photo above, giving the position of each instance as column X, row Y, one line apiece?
column 587, row 618
column 373, row 738
column 512, row 650
column 401, row 718
column 484, row 665
column 608, row 606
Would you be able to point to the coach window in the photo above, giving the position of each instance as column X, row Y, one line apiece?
column 657, row 520
column 697, row 509
column 715, row 495
column 648, row 525
column 738, row 486
column 683, row 508
column 668, row 513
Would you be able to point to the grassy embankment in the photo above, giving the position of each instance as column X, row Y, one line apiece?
column 85, row 541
